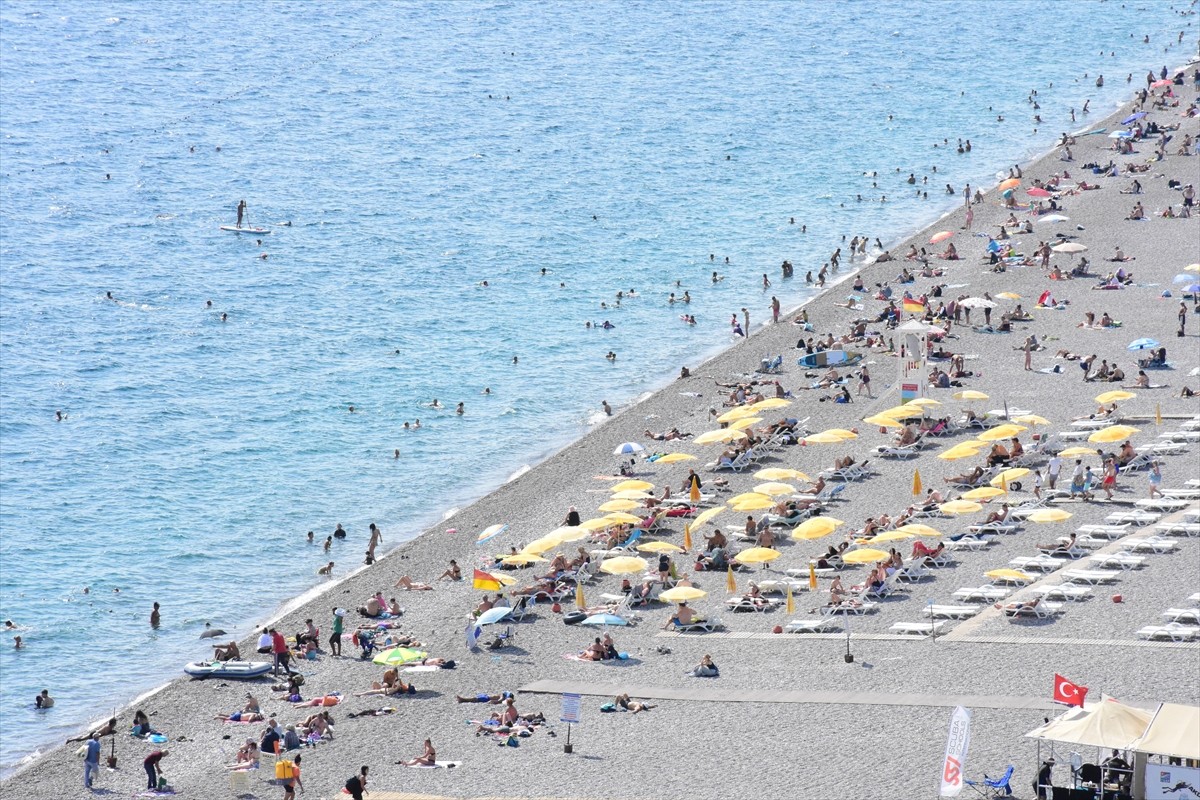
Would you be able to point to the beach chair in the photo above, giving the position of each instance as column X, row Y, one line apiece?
column 1179, row 528
column 1122, row 560
column 917, row 628
column 1086, row 542
column 911, row 573
column 771, row 366
column 1165, row 448
column 1063, row 549
column 980, row 422
column 1172, row 631
column 854, row 472
column 1092, row 425
column 1151, row 544
column 952, row 611
column 1004, row 527
column 1039, row 609
column 1139, row 463
column 1161, row 503
column 986, row 593
column 855, row 607
column 700, row 626
column 900, row 453
column 972, row 543
column 1182, row 494
column 1139, row 518
column 1040, row 563
column 1184, row 616
column 1093, row 577
column 993, row 788
column 1063, row 591
column 760, row 604
column 1104, row 531
column 1194, row 598
column 629, row 546
column 779, row 586
column 822, row 625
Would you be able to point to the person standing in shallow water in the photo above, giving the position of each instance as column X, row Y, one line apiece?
column 154, row 617
column 376, row 538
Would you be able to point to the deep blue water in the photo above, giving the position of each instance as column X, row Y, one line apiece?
column 418, row 150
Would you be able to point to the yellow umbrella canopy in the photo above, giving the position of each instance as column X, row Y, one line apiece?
column 623, row 565
column 1009, row 295
column 865, row 555
column 771, row 403
column 722, row 435
column 1077, row 452
column 917, row 529
column 741, row 498
column 775, row 489
column 891, row 536
column 883, row 421
column 1001, row 432
column 780, row 474
column 1031, row 419
column 956, row 507
column 741, row 412
column 959, row 451
column 842, row 432
column 521, row 559
column 568, row 533
column 902, row 411
column 745, row 422
column 970, row 394
column 539, row 546
column 634, row 485
column 705, row 516
column 1114, row 433
column 1049, row 515
column 621, row 518
column 1007, row 476
column 754, row 504
column 757, row 555
column 619, row 505
column 674, row 458
column 1010, row 576
column 659, row 547
column 682, row 594
column 1115, row 396
column 631, row 494
column 823, row 438
column 597, row 524
column 923, row 401
column 816, row 527
column 983, row 493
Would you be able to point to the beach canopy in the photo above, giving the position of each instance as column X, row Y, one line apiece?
column 624, row 565
column 883, row 421
column 721, row 435
column 1049, row 515
column 1133, row 118
column 977, row 302
column 1010, row 575
column 1031, row 419
column 923, row 401
column 744, row 422
column 628, row 449
column 659, row 547
column 770, row 403
column 1011, row 183
column 1038, row 192
column 940, row 237
column 1009, row 475
column 775, row 489
column 568, row 533
column 1077, row 452
column 520, row 560
column 604, row 619
column 674, row 458
column 983, row 493
column 619, row 505
column 864, row 556
column 917, row 529
column 842, row 432
column 956, row 507
column 398, row 656
column 1055, row 218
column 492, row 615
column 757, row 503
column 1009, row 295
column 816, row 527
column 634, row 485
column 823, row 438
column 705, row 516
column 1114, row 433
column 631, row 494
column 622, row 518
column 961, row 450
column 681, row 594
column 1115, row 396
column 1001, row 432
column 1069, row 247
column 1107, row 724
column 757, row 555
column 735, row 414
column 891, row 536
column 1174, row 731
column 970, row 394
column 781, row 474
column 490, row 532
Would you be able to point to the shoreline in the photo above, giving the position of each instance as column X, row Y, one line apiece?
column 516, row 483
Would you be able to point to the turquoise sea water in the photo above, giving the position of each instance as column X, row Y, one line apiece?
column 419, row 149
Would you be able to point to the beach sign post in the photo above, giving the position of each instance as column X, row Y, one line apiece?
column 570, row 714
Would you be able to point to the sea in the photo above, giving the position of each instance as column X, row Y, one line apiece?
column 453, row 191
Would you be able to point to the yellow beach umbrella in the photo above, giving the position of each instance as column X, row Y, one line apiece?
column 734, row 415
column 1031, row 419
column 970, row 394
column 580, row 600
column 682, row 594
column 781, row 474
column 1113, row 434
column 957, row 507
column 674, row 458
column 959, row 451
column 1077, row 452
column 1001, row 432
column 916, row 484
column 597, row 524
column 631, row 494
column 619, row 505
column 1049, row 515
column 1115, row 396
column 1007, row 477
column 757, row 555
column 902, row 411
column 754, row 504
column 771, row 403
column 745, row 422
column 983, row 493
column 1009, row 576
column 521, row 560
column 865, row 555
column 705, row 516
column 842, row 432
column 1009, row 295
column 917, row 529
column 659, row 547
column 923, row 401
column 634, row 485
column 743, row 497
column 539, row 546
column 1192, row 268
column 721, row 435
column 775, row 489
column 815, row 528
column 568, row 533
column 883, row 421
column 623, row 565
column 890, row 536
column 621, row 518
column 823, row 438
column 730, row 583
column 791, row 602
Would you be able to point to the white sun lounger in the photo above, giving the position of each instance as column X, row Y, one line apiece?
column 995, row 527
column 1172, row 631
column 952, row 611
column 1184, row 616
column 1093, row 576
column 781, row 586
column 1179, row 528
column 1194, row 598
column 1152, row 544
column 1085, row 541
column 987, row 593
column 972, row 543
column 1181, row 436
column 1104, row 531
column 1092, row 424
column 822, row 625
column 900, row 453
column 1064, row 591
column 748, row 604
column 1124, row 560
column 701, row 626
column 1042, row 610
column 912, row 573
column 1139, row 518
column 1162, row 503
column 1042, row 563
column 857, row 608
column 917, row 628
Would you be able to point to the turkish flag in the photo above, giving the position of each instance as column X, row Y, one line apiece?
column 1068, row 693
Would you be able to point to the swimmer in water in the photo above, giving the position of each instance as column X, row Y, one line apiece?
column 351, row 409
column 43, row 700
column 607, row 408
column 155, row 617
column 310, row 537
column 435, row 403
column 396, row 453
column 460, row 410
column 329, row 539
column 514, row 360
column 416, row 424
column 326, row 570
column 58, row 416
column 487, row 390
column 716, row 278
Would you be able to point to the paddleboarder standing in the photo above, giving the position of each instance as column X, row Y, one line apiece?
column 241, row 211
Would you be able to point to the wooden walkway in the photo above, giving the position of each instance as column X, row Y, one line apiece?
column 946, row 638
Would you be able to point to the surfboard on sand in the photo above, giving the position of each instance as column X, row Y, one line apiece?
column 830, row 358
column 236, row 229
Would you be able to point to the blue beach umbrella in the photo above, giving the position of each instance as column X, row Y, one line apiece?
column 493, row 615
column 604, row 619
column 1183, row 277
column 1193, row 289
column 1133, row 117
column 491, row 532
column 629, row 448
column 1142, row 344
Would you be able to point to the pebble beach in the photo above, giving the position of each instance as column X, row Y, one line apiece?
column 748, row 733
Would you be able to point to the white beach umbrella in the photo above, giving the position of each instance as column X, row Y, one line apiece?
column 977, row 302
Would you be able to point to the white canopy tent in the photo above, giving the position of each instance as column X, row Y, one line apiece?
column 1174, row 731
column 1107, row 724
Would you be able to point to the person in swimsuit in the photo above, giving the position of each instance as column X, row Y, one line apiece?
column 426, row 759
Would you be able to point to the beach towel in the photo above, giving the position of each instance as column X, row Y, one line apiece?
column 437, row 765
column 422, row 668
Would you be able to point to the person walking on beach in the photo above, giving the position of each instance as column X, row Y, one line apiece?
column 279, row 650
column 1052, row 469
column 1155, row 480
column 335, row 637
column 91, row 761
column 357, row 784
column 150, row 763
column 1028, row 348
column 376, row 538
column 746, row 318
column 1182, row 318
column 241, row 212
column 864, row 382
column 775, row 309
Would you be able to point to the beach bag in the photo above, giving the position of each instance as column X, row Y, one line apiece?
column 284, row 770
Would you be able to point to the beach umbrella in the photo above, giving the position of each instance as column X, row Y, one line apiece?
column 1031, row 419
column 580, row 600
column 682, row 594
column 1143, row 344
column 1183, row 277
column 631, row 494
column 1192, row 289
column 1055, row 218
column 864, row 555
column 916, row 485
column 674, row 458
column 812, row 577
column 960, row 451
column 940, row 237
column 976, row 302
column 957, row 507
column 1160, row 84
column 1192, row 268
column 1038, row 192
column 633, row 485
column 540, row 546
column 721, row 435
column 521, row 560
column 970, row 394
column 923, row 401
column 1009, row 295
column 1077, row 452
column 1120, row 134
column 745, row 422
column 1011, row 183
column 1049, row 515
column 983, row 493
column 622, row 518
column 398, row 656
column 623, row 565
column 770, row 403
column 1009, row 576
column 815, row 528
column 1133, row 117
column 1007, row 476
column 791, row 602
column 705, row 516
column 1069, row 247
column 490, row 532
column 604, row 619
column 597, row 524
column 730, row 583
column 884, row 421
column 493, row 615
column 753, row 504
column 775, row 489
column 490, row 582
column 659, row 547
column 890, row 536
column 917, row 529
column 1115, row 396
column 1000, row 432
column 1114, row 434
column 781, row 474
column 619, row 505
column 738, row 413
column 628, row 449
column 568, row 533
column 744, row 496
column 757, row 555
column 823, row 438
column 902, row 412
column 687, row 537
column 842, row 432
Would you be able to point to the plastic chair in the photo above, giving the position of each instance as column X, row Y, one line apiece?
column 992, row 788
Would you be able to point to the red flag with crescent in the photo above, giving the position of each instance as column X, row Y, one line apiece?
column 1068, row 693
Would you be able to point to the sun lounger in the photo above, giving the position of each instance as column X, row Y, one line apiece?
column 781, row 586
column 737, row 604
column 1092, row 576
column 917, row 628
column 700, row 626
column 855, row 607
column 995, row 527
column 952, row 612
column 1184, row 436
column 1185, row 616
column 1085, row 541
column 1104, row 531
column 1064, row 591
column 1139, row 518
column 1172, row 631
column 912, row 573
column 1092, row 424
column 1179, row 528
column 1042, row 563
column 986, row 593
column 1182, row 494
column 1165, row 448
column 1194, row 598
column 972, row 543
column 901, row 453
column 1151, row 544
column 1043, row 609
column 822, row 625
column 1161, row 503
column 1063, row 550
column 854, row 472
column 1124, row 560
column 1073, row 436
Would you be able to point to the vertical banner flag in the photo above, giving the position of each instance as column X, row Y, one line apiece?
column 954, row 764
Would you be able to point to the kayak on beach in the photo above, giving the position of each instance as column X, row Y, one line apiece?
column 230, row 670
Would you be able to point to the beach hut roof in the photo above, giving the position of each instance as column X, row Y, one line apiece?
column 1174, row 731
column 1107, row 724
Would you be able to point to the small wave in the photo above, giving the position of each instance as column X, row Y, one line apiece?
column 450, row 512
column 524, row 468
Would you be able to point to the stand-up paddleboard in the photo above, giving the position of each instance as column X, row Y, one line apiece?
column 830, row 358
column 236, row 229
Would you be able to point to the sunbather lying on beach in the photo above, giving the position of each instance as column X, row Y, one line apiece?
column 375, row 712
column 623, row 701
column 490, row 699
column 410, row 586
column 246, row 757
column 1018, row 606
column 319, row 702
column 969, row 478
column 241, row 716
